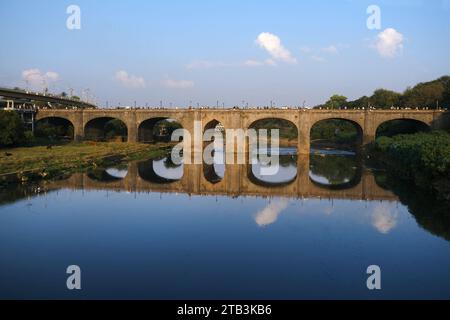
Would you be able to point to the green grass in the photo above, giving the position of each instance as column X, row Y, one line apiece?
column 73, row 156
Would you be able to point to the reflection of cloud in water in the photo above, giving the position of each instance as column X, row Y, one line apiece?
column 328, row 210
column 270, row 214
column 117, row 173
column 384, row 218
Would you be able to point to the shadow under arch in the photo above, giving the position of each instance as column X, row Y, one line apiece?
column 347, row 169
column 147, row 172
column 106, row 128
column 147, row 129
column 55, row 127
column 394, row 127
column 336, row 131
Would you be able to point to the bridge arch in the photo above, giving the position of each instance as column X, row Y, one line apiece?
column 148, row 127
column 336, row 131
column 289, row 131
column 393, row 127
column 55, row 127
column 106, row 128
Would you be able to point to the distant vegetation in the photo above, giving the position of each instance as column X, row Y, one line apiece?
column 423, row 158
column 12, row 130
column 430, row 95
column 335, row 131
column 287, row 129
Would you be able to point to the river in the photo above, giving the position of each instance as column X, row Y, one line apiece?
column 155, row 230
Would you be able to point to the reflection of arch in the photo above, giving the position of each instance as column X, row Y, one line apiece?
column 401, row 126
column 102, row 175
column 146, row 129
column 268, row 184
column 146, row 171
column 98, row 128
column 63, row 127
column 356, row 125
column 353, row 182
column 210, row 173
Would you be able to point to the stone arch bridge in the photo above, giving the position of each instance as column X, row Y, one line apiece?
column 140, row 121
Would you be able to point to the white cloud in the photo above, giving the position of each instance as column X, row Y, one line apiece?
column 331, row 49
column 38, row 80
column 384, row 219
column 257, row 63
column 177, row 84
column 130, row 81
column 269, row 214
column 272, row 44
column 389, row 43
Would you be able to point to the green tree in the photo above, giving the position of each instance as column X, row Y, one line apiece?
column 362, row 102
column 425, row 95
column 12, row 129
column 115, row 128
column 336, row 102
column 385, row 99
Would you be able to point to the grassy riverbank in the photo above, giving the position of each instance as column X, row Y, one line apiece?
column 58, row 160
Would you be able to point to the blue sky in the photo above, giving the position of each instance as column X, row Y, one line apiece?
column 232, row 51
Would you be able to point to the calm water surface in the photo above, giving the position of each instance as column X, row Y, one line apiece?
column 155, row 230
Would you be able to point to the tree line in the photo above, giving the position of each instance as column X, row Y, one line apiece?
column 432, row 95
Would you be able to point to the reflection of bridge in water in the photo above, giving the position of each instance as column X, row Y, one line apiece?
column 237, row 181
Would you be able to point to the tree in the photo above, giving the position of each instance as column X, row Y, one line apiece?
column 336, row 102
column 12, row 130
column 385, row 99
column 362, row 102
column 425, row 95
